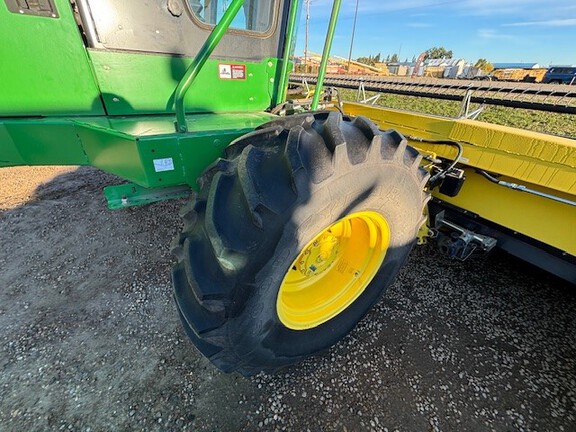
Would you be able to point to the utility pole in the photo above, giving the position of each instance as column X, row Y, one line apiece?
column 353, row 32
column 306, row 37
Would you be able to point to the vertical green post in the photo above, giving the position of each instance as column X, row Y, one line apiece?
column 326, row 54
column 198, row 63
column 288, row 50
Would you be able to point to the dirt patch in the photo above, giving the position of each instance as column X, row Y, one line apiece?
column 90, row 338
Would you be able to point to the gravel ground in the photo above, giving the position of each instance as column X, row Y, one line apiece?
column 90, row 339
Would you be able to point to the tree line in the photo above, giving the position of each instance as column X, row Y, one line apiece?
column 431, row 53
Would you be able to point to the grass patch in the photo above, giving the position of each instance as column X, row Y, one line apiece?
column 538, row 121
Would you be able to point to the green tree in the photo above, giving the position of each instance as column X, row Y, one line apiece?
column 394, row 58
column 484, row 65
column 438, row 53
column 370, row 60
column 366, row 60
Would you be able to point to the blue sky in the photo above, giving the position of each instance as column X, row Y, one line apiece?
column 538, row 31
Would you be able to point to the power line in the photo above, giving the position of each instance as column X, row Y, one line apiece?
column 306, row 36
column 353, row 32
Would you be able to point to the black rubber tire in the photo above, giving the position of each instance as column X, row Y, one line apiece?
column 274, row 191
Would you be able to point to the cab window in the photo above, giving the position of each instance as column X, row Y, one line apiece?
column 255, row 15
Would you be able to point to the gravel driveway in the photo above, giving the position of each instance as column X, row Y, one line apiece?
column 90, row 338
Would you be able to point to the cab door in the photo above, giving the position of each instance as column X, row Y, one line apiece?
column 140, row 51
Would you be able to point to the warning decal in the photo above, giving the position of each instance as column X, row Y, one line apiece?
column 232, row 71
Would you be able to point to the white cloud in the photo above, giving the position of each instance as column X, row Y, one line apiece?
column 492, row 34
column 568, row 22
column 418, row 25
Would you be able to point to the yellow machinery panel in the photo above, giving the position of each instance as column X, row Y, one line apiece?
column 541, row 162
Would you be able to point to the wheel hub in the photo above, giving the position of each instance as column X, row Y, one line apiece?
column 319, row 256
column 333, row 270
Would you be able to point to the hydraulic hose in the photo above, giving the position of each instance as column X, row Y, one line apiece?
column 441, row 174
column 523, row 188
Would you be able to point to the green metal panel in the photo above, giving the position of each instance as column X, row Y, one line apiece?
column 9, row 154
column 112, row 151
column 161, row 160
column 39, row 142
column 148, row 152
column 130, row 147
column 208, row 136
column 44, row 69
column 194, row 69
column 134, row 83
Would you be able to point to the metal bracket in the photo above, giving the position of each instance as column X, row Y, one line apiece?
column 309, row 92
column 425, row 232
column 129, row 195
column 465, row 108
column 362, row 98
column 458, row 242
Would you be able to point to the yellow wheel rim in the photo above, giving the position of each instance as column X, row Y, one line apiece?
column 333, row 270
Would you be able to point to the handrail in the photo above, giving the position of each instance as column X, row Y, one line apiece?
column 198, row 62
column 326, row 53
column 288, row 51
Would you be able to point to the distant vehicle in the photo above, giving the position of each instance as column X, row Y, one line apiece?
column 518, row 74
column 560, row 75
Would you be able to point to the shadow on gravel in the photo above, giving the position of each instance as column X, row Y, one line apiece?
column 90, row 338
column 89, row 330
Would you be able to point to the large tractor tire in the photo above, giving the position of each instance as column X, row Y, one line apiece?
column 294, row 235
